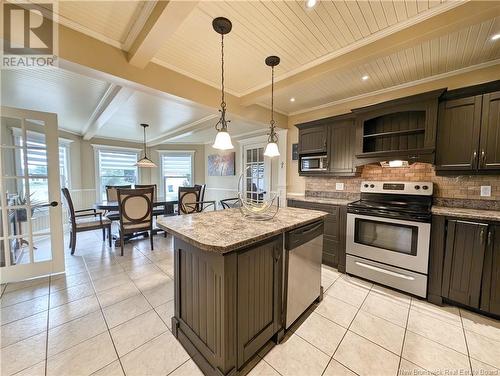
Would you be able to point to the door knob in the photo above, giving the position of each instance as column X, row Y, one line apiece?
column 54, row 204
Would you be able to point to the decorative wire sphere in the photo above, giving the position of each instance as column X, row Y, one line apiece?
column 256, row 209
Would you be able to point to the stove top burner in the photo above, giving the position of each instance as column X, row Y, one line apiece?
column 409, row 207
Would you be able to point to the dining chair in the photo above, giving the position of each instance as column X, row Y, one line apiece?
column 202, row 188
column 136, row 212
column 189, row 201
column 85, row 220
column 112, row 195
column 157, row 211
column 229, row 203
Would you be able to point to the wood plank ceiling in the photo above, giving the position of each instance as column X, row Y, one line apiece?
column 298, row 35
column 471, row 46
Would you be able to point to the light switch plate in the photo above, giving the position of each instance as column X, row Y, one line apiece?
column 485, row 190
column 339, row 186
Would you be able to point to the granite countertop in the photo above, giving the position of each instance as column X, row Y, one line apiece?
column 226, row 230
column 321, row 200
column 481, row 214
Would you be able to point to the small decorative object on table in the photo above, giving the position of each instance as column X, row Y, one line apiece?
column 254, row 205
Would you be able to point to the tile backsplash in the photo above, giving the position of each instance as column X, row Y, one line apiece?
column 462, row 191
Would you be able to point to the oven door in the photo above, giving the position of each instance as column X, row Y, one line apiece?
column 404, row 244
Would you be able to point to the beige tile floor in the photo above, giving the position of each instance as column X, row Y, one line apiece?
column 110, row 315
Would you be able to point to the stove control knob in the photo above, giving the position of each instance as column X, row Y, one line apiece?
column 372, row 186
column 366, row 185
column 417, row 187
column 425, row 187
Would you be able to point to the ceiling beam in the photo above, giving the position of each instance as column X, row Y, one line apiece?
column 195, row 126
column 461, row 16
column 111, row 64
column 114, row 97
column 162, row 23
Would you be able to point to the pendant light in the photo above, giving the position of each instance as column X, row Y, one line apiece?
column 222, row 141
column 272, row 141
column 145, row 161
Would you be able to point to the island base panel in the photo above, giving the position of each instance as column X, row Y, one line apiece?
column 227, row 306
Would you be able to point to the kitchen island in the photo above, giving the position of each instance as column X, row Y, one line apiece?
column 229, row 278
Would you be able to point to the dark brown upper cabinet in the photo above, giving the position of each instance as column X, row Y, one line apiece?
column 463, row 262
column 334, row 136
column 490, row 132
column 459, row 128
column 312, row 139
column 399, row 129
column 468, row 137
column 341, row 146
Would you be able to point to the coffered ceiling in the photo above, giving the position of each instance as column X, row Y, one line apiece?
column 322, row 51
column 77, row 98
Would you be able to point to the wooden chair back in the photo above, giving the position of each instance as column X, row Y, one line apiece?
column 202, row 190
column 188, row 195
column 136, row 209
column 69, row 204
column 112, row 194
column 155, row 191
column 228, row 203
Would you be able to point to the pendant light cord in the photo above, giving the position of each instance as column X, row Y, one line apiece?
column 272, row 97
column 144, row 129
column 223, row 103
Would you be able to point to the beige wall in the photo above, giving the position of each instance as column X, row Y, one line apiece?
column 296, row 184
column 219, row 187
column 82, row 163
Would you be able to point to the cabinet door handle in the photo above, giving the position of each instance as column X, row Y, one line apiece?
column 481, row 236
column 483, row 158
column 490, row 236
column 324, row 144
column 473, row 158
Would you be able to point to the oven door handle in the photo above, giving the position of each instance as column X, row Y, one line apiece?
column 394, row 274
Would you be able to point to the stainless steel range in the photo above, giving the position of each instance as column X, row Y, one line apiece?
column 388, row 234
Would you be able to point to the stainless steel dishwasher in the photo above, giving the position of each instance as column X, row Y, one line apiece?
column 304, row 248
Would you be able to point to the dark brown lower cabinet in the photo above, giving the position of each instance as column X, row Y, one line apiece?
column 463, row 262
column 259, row 297
column 227, row 305
column 334, row 234
column 490, row 292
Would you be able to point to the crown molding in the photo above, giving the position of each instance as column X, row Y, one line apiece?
column 401, row 86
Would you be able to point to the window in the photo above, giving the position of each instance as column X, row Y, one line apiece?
column 115, row 167
column 176, row 171
column 38, row 166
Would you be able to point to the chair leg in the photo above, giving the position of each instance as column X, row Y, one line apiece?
column 164, row 234
column 103, row 234
column 151, row 239
column 122, row 241
column 70, row 239
column 110, row 237
column 73, row 242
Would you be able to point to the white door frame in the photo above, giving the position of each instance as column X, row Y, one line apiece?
column 11, row 273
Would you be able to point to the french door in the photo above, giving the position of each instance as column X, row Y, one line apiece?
column 257, row 172
column 31, row 229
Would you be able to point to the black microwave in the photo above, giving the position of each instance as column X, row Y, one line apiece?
column 313, row 163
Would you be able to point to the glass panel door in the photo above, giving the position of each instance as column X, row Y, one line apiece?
column 31, row 233
column 257, row 173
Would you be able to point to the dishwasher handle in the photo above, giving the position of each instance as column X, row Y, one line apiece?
column 304, row 234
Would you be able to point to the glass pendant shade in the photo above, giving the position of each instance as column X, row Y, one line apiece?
column 223, row 141
column 272, row 150
column 145, row 161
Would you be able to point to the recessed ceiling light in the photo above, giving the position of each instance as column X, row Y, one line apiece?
column 495, row 37
column 311, row 3
column 292, row 99
column 365, row 77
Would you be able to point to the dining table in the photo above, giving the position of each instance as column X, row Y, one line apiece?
column 167, row 204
